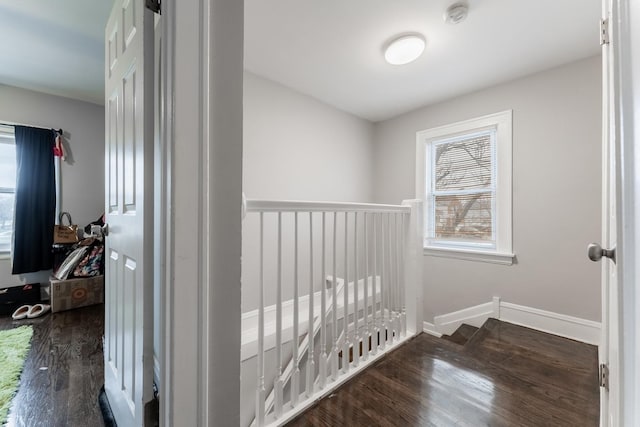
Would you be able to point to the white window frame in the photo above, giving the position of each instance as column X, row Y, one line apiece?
column 6, row 132
column 502, row 251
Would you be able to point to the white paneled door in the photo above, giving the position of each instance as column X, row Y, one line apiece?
column 128, row 344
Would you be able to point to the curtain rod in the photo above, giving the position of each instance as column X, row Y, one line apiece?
column 58, row 131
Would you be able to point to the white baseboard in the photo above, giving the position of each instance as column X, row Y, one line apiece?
column 574, row 328
column 446, row 324
column 430, row 329
column 582, row 330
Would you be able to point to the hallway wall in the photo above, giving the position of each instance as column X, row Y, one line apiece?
column 556, row 192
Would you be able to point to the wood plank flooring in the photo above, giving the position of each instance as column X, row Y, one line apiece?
column 63, row 371
column 506, row 375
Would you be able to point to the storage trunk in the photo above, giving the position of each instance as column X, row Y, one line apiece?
column 74, row 293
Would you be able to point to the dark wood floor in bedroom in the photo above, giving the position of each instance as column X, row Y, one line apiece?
column 63, row 372
column 504, row 375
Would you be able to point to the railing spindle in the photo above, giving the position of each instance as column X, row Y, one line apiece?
column 375, row 341
column 278, row 385
column 356, row 308
column 389, row 280
column 345, row 293
column 396, row 262
column 403, row 305
column 323, row 311
column 367, row 329
column 334, row 305
column 311, row 366
column 261, row 392
column 392, row 278
column 384, row 297
column 295, row 377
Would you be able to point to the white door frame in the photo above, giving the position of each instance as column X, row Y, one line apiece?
column 202, row 74
column 609, row 346
column 626, row 44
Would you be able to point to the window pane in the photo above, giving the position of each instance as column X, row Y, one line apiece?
column 6, row 221
column 7, row 165
column 464, row 163
column 464, row 217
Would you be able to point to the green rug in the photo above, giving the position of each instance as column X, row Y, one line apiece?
column 14, row 345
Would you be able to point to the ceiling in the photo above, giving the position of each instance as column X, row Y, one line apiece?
column 330, row 49
column 54, row 47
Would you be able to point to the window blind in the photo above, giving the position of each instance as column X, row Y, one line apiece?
column 7, row 185
column 463, row 187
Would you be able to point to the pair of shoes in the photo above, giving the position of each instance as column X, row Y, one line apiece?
column 30, row 311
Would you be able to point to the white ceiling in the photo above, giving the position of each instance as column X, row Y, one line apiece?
column 54, row 47
column 330, row 49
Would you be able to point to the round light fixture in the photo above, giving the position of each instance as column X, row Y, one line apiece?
column 404, row 49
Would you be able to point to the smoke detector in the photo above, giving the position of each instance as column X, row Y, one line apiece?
column 456, row 13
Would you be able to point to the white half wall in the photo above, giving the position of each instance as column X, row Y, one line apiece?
column 82, row 173
column 556, row 192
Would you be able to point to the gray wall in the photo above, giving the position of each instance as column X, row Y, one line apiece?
column 556, row 192
column 83, row 172
column 297, row 148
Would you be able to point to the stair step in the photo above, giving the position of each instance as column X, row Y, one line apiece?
column 478, row 338
column 462, row 335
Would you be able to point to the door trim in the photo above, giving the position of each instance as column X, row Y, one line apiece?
column 164, row 254
column 606, row 402
column 202, row 72
column 626, row 15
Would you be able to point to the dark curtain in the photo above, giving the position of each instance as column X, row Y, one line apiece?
column 35, row 200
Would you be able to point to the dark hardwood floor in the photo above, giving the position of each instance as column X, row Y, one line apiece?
column 505, row 375
column 63, row 372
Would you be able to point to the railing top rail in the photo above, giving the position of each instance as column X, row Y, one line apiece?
column 253, row 205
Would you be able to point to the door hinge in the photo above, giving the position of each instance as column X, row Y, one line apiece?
column 153, row 6
column 604, row 376
column 604, row 32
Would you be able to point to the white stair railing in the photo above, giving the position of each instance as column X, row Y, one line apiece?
column 302, row 349
column 377, row 305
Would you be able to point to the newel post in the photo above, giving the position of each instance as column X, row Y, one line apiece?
column 413, row 267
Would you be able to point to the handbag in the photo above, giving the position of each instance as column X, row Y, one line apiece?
column 65, row 233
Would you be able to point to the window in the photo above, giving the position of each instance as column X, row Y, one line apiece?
column 7, row 186
column 464, row 177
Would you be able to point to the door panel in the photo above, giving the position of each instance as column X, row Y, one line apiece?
column 128, row 302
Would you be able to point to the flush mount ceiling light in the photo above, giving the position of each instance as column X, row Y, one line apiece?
column 456, row 13
column 404, row 49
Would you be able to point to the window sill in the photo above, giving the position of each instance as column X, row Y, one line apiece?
column 470, row 255
column 5, row 255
